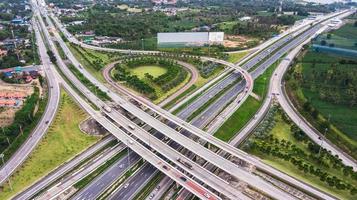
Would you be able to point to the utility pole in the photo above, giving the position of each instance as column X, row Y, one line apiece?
column 129, row 165
column 6, row 174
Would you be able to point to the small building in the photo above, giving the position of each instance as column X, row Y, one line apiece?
column 244, row 19
column 8, row 74
column 18, row 69
column 17, row 21
column 3, row 53
column 34, row 73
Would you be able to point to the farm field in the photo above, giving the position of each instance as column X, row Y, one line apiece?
column 324, row 84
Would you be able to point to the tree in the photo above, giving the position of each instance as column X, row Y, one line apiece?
column 323, row 42
column 315, row 113
column 355, row 24
column 328, row 36
column 52, row 56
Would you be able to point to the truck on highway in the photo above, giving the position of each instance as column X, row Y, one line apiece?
column 186, row 164
column 131, row 127
column 107, row 108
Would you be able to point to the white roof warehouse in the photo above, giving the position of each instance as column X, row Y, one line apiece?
column 183, row 39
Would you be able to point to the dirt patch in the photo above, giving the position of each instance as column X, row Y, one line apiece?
column 92, row 127
column 7, row 112
column 7, row 116
column 232, row 41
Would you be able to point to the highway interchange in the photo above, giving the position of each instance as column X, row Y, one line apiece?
column 153, row 142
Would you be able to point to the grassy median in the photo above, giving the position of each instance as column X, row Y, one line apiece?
column 235, row 57
column 239, row 118
column 63, row 141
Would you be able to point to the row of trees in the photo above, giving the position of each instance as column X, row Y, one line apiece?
column 93, row 88
column 122, row 74
column 313, row 160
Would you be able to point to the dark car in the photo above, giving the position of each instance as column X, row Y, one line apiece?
column 183, row 178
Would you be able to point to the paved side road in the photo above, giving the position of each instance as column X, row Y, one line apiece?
column 41, row 128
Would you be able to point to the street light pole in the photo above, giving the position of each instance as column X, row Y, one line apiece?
column 6, row 174
column 142, row 43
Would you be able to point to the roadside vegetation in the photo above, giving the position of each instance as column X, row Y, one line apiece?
column 235, row 57
column 63, row 141
column 93, row 88
column 93, row 61
column 322, row 87
column 280, row 143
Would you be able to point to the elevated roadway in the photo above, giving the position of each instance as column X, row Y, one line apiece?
column 152, row 158
column 197, row 131
column 121, row 105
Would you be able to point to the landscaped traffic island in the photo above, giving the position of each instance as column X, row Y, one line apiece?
column 150, row 76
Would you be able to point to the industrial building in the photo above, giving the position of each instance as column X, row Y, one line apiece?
column 189, row 39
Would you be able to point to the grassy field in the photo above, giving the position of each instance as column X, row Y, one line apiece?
column 282, row 131
column 63, row 141
column 344, row 37
column 155, row 71
column 238, row 119
column 235, row 57
column 261, row 84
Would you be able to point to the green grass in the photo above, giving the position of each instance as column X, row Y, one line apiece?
column 282, row 131
column 63, row 141
column 344, row 37
column 239, row 118
column 261, row 84
column 235, row 57
column 347, row 31
column 155, row 71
